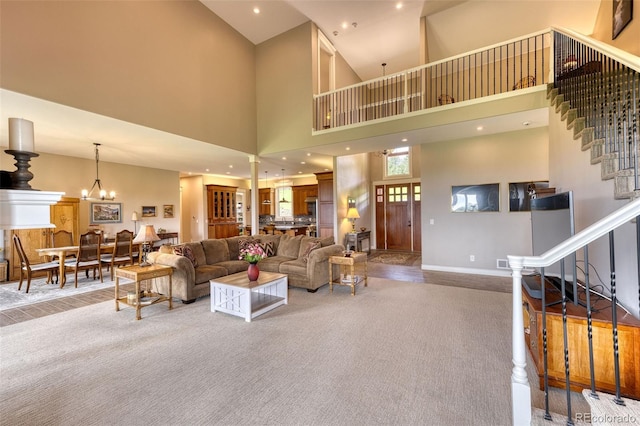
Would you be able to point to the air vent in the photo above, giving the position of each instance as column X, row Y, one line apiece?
column 502, row 264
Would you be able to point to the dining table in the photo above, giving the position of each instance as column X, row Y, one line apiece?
column 64, row 251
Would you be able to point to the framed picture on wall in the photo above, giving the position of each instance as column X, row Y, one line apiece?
column 475, row 198
column 167, row 211
column 106, row 213
column 622, row 14
column 148, row 211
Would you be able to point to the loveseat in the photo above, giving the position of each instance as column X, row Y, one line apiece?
column 304, row 259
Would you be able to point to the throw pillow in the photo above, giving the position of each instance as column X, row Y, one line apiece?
column 186, row 252
column 310, row 247
column 166, row 248
column 268, row 248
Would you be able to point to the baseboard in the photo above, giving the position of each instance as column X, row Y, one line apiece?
column 471, row 271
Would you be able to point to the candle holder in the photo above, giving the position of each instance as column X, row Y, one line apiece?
column 21, row 177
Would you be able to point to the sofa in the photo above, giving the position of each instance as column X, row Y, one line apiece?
column 304, row 259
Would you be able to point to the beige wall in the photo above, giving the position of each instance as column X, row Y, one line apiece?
column 629, row 39
column 169, row 65
column 353, row 181
column 135, row 187
column 503, row 158
column 284, row 90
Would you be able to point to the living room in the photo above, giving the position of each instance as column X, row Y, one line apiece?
column 539, row 152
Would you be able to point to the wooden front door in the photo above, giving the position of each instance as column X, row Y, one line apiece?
column 398, row 220
column 398, row 217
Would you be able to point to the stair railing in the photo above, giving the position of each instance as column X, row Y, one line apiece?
column 520, row 389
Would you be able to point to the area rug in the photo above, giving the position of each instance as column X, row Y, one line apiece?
column 40, row 291
column 395, row 258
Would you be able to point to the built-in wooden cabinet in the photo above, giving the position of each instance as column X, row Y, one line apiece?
column 65, row 216
column 266, row 194
column 300, row 195
column 325, row 204
column 222, row 211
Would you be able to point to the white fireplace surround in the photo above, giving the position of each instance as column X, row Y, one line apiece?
column 23, row 209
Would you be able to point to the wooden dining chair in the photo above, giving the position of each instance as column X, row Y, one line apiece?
column 28, row 268
column 62, row 238
column 88, row 256
column 122, row 253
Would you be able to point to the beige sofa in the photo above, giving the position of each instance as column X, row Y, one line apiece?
column 214, row 258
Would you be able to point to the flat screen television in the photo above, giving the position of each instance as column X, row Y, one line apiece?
column 552, row 222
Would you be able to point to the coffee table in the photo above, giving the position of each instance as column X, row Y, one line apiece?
column 236, row 295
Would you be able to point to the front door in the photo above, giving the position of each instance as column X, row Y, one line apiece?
column 398, row 217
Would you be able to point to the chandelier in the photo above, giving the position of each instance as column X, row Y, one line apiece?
column 102, row 194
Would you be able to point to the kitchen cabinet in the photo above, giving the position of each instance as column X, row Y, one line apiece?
column 325, row 204
column 222, row 211
column 265, row 194
column 300, row 195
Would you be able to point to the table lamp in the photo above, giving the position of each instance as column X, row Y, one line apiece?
column 352, row 215
column 146, row 236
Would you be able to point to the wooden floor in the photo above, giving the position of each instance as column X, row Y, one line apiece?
column 379, row 270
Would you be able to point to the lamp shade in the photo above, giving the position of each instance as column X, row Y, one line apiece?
column 352, row 213
column 134, row 216
column 146, row 235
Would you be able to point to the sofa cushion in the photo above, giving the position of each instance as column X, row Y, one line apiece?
column 304, row 245
column 272, row 264
column 268, row 248
column 205, row 273
column 327, row 241
column 289, row 246
column 216, row 250
column 192, row 251
column 236, row 244
column 275, row 239
column 295, row 267
column 233, row 266
column 310, row 246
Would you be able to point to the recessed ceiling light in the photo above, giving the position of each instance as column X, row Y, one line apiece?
column 308, row 154
column 256, row 10
column 348, row 148
column 231, row 166
column 399, row 5
column 344, row 25
column 284, row 158
column 526, row 123
column 404, row 139
column 479, row 128
column 303, row 162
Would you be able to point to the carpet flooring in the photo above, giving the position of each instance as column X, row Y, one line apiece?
column 396, row 353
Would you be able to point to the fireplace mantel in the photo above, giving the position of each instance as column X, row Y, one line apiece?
column 23, row 209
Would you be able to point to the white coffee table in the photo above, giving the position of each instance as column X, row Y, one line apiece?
column 236, row 295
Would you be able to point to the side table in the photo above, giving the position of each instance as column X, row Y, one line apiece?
column 356, row 258
column 139, row 273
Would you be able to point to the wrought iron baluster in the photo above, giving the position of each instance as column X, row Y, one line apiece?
column 565, row 340
column 545, row 361
column 614, row 319
column 592, row 373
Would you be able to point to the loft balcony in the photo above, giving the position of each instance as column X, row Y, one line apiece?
column 486, row 73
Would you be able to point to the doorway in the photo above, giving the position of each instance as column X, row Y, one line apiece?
column 398, row 211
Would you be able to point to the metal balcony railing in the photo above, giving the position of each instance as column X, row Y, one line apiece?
column 501, row 68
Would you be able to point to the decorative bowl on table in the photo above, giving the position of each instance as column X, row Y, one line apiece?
column 363, row 228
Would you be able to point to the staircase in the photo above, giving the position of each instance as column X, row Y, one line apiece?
column 596, row 90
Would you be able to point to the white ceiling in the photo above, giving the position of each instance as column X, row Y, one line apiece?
column 380, row 30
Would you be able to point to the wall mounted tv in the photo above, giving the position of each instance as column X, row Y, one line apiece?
column 552, row 222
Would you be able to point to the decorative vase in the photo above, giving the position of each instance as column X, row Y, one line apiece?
column 253, row 272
